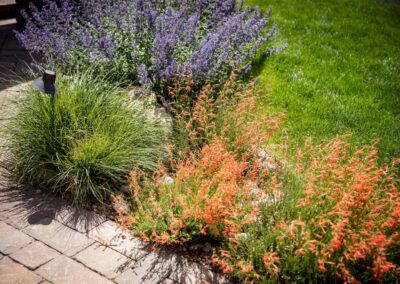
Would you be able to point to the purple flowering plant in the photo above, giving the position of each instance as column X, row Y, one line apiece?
column 148, row 41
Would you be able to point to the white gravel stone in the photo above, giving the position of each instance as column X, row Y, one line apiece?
column 168, row 180
column 262, row 154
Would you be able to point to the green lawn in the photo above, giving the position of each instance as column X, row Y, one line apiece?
column 341, row 71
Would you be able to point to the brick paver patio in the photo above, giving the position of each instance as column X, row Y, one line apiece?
column 37, row 248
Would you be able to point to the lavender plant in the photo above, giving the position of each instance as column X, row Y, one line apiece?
column 148, row 41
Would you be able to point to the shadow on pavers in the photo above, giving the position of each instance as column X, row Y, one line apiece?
column 19, row 204
column 165, row 263
column 22, row 206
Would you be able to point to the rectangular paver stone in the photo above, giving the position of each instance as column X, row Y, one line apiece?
column 20, row 208
column 11, row 239
column 13, row 210
column 130, row 246
column 64, row 270
column 193, row 273
column 154, row 268
column 163, row 266
column 34, row 255
column 79, row 219
column 105, row 232
column 12, row 272
column 16, row 219
column 104, row 260
column 58, row 236
column 110, row 234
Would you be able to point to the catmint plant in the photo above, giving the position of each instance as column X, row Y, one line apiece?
column 147, row 41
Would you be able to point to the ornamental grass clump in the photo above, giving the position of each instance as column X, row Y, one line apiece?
column 84, row 140
column 148, row 41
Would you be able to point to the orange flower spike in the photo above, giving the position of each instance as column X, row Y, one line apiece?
column 245, row 268
column 270, row 260
column 227, row 269
column 336, row 245
column 322, row 267
column 214, row 261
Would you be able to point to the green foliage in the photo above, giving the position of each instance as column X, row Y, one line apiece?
column 84, row 140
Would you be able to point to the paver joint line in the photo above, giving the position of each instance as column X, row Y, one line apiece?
column 103, row 260
column 63, row 269
column 34, row 255
column 12, row 239
column 59, row 236
column 13, row 272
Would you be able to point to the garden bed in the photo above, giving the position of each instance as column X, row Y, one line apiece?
column 191, row 163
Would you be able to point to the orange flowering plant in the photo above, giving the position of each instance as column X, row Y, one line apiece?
column 329, row 214
column 210, row 190
column 210, row 195
column 339, row 221
column 357, row 225
column 227, row 111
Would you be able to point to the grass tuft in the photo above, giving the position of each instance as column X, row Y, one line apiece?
column 84, row 140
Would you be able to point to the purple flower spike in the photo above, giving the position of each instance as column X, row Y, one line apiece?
column 149, row 41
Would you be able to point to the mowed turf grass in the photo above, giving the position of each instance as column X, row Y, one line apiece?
column 340, row 72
